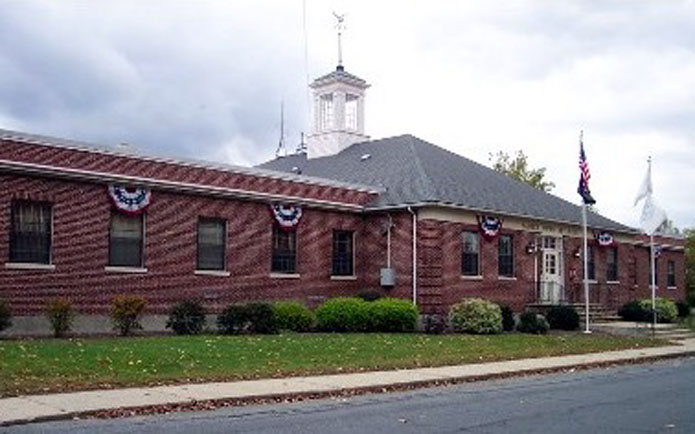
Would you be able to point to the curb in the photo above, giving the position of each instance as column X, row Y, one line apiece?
column 273, row 398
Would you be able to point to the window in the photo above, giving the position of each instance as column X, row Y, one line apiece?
column 591, row 265
column 671, row 274
column 342, row 253
column 284, row 251
column 326, row 111
column 470, row 263
column 612, row 264
column 125, row 240
column 506, row 256
column 350, row 111
column 212, row 235
column 30, row 235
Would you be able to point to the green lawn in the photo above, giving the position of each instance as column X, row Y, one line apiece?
column 50, row 365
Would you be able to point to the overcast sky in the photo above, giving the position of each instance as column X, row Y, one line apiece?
column 204, row 79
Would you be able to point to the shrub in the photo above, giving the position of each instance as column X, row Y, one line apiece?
column 293, row 316
column 343, row 314
column 683, row 309
column 249, row 318
column 5, row 315
column 187, row 318
column 434, row 324
column 391, row 315
column 61, row 315
column 233, row 319
column 563, row 318
column 126, row 311
column 633, row 311
column 476, row 315
column 530, row 322
column 508, row 322
column 666, row 310
column 369, row 295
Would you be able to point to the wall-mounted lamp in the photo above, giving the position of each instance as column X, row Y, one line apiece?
column 578, row 252
column 530, row 248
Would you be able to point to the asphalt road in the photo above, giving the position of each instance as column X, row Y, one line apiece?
column 649, row 398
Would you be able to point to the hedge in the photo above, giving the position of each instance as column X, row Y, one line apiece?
column 476, row 315
column 347, row 314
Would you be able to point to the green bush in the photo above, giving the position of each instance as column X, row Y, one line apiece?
column 369, row 295
column 5, row 315
column 476, row 315
column 249, row 318
column 683, row 309
column 61, row 315
column 293, row 316
column 126, row 311
column 666, row 310
column 391, row 315
column 530, row 322
column 508, row 322
column 233, row 320
column 187, row 318
column 343, row 314
column 633, row 311
column 563, row 318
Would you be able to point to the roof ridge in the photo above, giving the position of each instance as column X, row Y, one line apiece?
column 430, row 188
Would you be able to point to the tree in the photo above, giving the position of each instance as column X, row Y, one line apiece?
column 690, row 264
column 518, row 169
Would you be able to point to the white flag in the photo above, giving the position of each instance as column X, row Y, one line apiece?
column 652, row 216
column 646, row 188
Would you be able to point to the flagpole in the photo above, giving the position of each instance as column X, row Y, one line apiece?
column 586, row 271
column 653, row 279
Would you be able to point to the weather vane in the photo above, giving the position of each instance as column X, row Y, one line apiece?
column 340, row 27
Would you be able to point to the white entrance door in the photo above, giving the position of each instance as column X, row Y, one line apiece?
column 551, row 270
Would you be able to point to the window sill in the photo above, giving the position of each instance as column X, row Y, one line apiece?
column 343, row 277
column 613, row 282
column 29, row 266
column 466, row 277
column 285, row 275
column 217, row 273
column 130, row 270
column 591, row 282
column 506, row 278
column 671, row 288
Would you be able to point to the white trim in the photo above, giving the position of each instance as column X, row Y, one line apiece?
column 285, row 275
column 506, row 278
column 591, row 281
column 29, row 266
column 672, row 288
column 129, row 270
column 613, row 282
column 353, row 277
column 492, row 211
column 73, row 145
column 467, row 277
column 184, row 187
column 218, row 273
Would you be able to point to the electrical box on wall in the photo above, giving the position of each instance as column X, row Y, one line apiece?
column 388, row 277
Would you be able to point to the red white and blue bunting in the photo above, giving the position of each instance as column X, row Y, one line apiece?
column 489, row 227
column 130, row 200
column 287, row 216
column 605, row 239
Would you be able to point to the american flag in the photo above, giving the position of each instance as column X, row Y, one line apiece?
column 584, row 176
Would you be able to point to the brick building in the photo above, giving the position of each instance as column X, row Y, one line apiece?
column 398, row 214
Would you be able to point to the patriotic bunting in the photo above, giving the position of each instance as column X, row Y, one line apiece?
column 605, row 239
column 287, row 216
column 129, row 200
column 489, row 227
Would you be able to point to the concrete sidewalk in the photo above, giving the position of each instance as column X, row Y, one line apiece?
column 65, row 405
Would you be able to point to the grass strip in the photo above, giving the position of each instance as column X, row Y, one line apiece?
column 58, row 365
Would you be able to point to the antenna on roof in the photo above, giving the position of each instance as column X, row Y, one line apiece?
column 301, row 147
column 281, row 143
column 340, row 26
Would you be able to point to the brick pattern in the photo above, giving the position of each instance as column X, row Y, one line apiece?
column 133, row 166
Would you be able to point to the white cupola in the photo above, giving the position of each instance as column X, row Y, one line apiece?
column 338, row 113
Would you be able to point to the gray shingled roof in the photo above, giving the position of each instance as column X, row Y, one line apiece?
column 414, row 171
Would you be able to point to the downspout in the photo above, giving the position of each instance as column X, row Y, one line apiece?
column 410, row 210
column 388, row 241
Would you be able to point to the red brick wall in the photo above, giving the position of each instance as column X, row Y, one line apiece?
column 80, row 251
column 139, row 167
